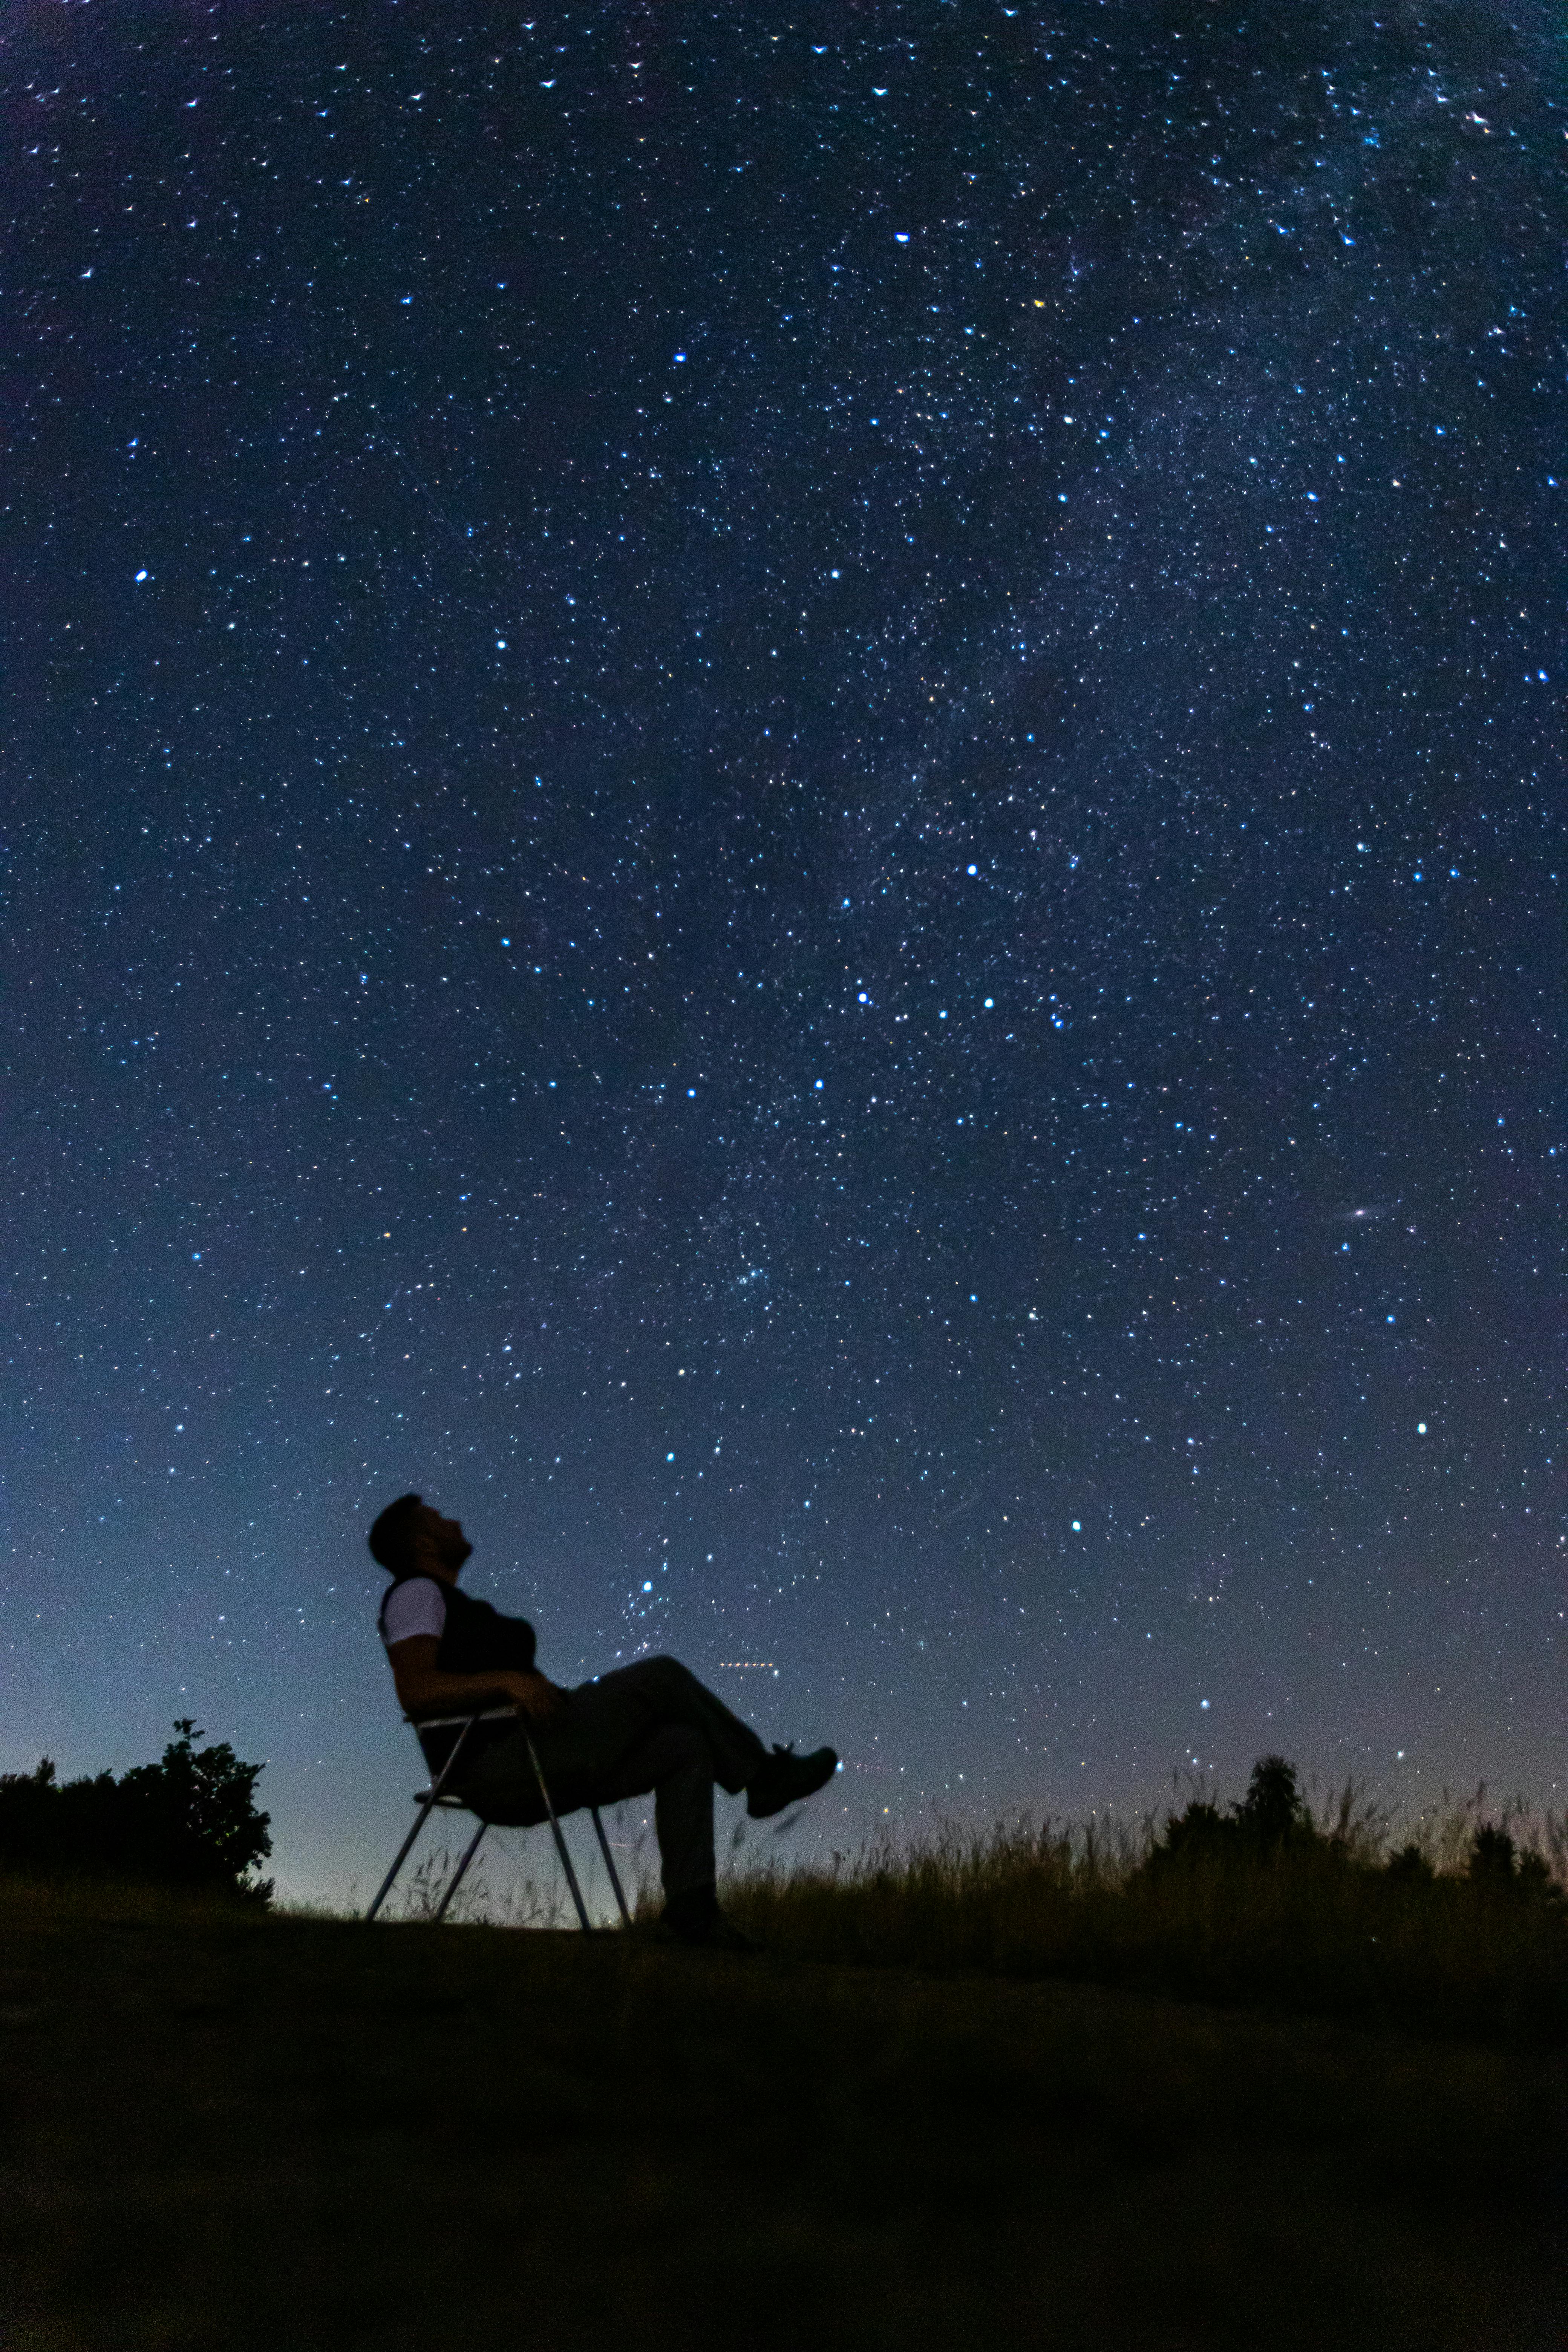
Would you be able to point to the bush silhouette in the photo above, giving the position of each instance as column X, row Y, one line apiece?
column 1272, row 1810
column 189, row 1820
column 1253, row 1903
column 1271, row 1817
column 1499, row 1872
column 1491, row 1859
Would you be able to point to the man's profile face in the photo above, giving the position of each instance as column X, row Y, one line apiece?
column 437, row 1543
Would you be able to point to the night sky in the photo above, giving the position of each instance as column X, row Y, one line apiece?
column 784, row 803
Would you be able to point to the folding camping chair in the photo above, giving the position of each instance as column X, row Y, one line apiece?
column 436, row 1795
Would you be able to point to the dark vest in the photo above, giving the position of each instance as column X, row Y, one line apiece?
column 474, row 1638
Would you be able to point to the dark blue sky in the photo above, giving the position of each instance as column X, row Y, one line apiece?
column 786, row 803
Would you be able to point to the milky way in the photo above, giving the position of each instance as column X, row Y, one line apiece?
column 786, row 804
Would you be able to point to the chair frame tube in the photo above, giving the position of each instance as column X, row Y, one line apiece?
column 456, row 1878
column 426, row 1803
column 557, row 1832
column 609, row 1865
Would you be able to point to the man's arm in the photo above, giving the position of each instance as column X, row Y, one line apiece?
column 424, row 1689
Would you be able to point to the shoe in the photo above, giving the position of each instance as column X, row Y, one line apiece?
column 718, row 1935
column 695, row 1919
column 783, row 1779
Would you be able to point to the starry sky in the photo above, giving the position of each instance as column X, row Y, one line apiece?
column 784, row 803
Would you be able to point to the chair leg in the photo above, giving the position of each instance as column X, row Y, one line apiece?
column 555, row 1826
column 609, row 1865
column 561, row 1847
column 420, row 1818
column 456, row 1878
column 431, row 1793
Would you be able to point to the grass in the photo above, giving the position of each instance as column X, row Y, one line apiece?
column 1438, row 1928
column 229, row 2131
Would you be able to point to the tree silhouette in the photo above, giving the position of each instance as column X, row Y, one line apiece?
column 189, row 1820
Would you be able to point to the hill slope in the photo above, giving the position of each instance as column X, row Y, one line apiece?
column 236, row 2132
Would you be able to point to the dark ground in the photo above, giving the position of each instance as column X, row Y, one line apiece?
column 246, row 2132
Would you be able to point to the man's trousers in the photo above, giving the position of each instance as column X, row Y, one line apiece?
column 652, row 1726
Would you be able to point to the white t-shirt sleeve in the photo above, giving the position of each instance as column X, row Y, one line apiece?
column 418, row 1607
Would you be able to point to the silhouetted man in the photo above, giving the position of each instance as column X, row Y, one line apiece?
column 651, row 1726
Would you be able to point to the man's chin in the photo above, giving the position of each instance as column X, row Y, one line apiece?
column 461, row 1551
